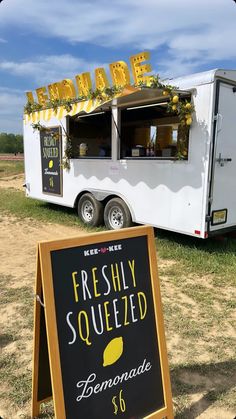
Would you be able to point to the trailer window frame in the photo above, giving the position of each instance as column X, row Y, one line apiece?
column 95, row 139
column 137, row 148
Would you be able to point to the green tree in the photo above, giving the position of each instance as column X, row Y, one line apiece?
column 11, row 143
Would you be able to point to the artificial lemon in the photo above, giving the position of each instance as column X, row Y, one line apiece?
column 175, row 99
column 189, row 121
column 188, row 115
column 188, row 105
column 174, row 107
column 165, row 93
column 113, row 351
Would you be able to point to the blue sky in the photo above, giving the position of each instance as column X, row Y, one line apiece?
column 42, row 42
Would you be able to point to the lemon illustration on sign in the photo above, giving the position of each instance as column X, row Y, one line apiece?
column 113, row 351
column 50, row 164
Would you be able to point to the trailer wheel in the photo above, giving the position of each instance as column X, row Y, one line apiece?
column 90, row 210
column 117, row 214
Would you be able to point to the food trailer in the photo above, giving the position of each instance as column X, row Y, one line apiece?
column 130, row 159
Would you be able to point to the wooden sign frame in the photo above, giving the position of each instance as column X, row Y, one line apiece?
column 45, row 301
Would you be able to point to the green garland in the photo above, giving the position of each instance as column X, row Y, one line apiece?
column 182, row 108
column 107, row 93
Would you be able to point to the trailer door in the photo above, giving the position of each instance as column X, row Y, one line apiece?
column 223, row 191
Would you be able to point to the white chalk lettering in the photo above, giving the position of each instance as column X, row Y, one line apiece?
column 88, row 389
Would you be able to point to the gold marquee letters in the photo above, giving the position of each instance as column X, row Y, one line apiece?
column 120, row 76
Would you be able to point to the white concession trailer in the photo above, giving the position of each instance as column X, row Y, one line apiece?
column 129, row 162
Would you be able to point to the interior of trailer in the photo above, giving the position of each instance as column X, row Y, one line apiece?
column 145, row 131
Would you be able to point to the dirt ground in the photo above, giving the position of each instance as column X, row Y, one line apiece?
column 18, row 244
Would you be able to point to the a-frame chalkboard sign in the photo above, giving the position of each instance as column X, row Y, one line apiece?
column 99, row 341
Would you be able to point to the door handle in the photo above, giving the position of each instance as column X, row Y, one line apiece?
column 222, row 160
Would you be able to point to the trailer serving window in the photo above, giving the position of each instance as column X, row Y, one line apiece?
column 150, row 131
column 90, row 135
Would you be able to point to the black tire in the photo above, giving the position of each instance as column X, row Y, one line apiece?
column 90, row 210
column 117, row 214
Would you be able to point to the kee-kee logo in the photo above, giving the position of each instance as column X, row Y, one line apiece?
column 96, row 251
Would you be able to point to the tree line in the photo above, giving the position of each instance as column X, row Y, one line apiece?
column 11, row 143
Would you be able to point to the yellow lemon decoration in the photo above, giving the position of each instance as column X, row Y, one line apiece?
column 188, row 115
column 165, row 93
column 50, row 164
column 174, row 107
column 189, row 121
column 175, row 99
column 113, row 351
column 188, row 105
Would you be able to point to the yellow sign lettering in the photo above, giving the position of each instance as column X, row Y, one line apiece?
column 30, row 97
column 42, row 97
column 120, row 76
column 120, row 73
column 84, row 83
column 84, row 331
column 68, row 89
column 101, row 80
column 139, row 70
column 55, row 91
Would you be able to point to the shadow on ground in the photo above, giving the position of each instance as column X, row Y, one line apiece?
column 205, row 382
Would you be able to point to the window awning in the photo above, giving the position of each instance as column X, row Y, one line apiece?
column 145, row 96
column 130, row 96
column 85, row 106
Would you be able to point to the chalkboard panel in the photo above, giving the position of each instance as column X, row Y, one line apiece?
column 105, row 328
column 50, row 143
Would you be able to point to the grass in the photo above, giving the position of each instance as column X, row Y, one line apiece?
column 198, row 281
column 15, row 203
column 204, row 257
column 9, row 168
column 15, row 372
column 210, row 257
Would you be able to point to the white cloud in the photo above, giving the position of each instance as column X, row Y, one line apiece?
column 42, row 70
column 186, row 28
column 187, row 35
column 49, row 69
column 3, row 41
column 12, row 103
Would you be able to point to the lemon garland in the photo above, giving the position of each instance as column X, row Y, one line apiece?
column 105, row 94
column 183, row 108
